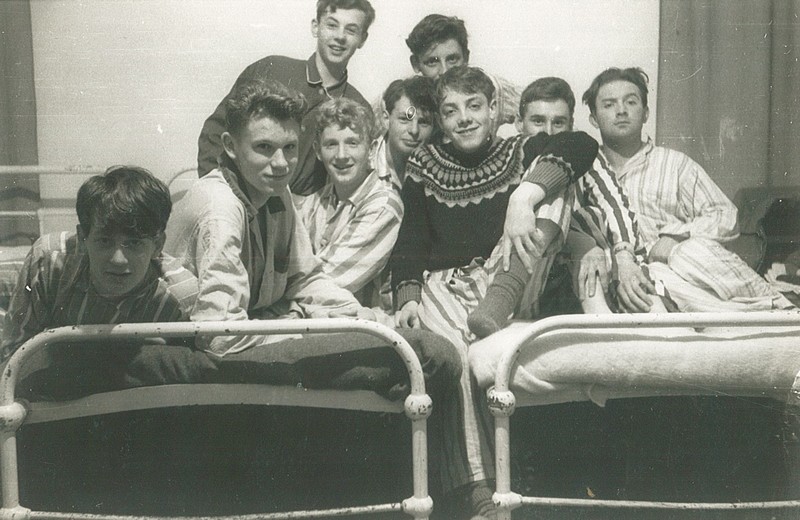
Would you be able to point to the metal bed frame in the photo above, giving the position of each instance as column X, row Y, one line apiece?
column 502, row 403
column 16, row 413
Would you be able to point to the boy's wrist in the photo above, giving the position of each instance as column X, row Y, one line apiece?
column 528, row 194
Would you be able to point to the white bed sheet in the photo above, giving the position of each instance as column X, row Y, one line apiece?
column 597, row 364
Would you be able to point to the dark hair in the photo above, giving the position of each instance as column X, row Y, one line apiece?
column 633, row 75
column 468, row 80
column 364, row 6
column 547, row 89
column 124, row 199
column 437, row 28
column 421, row 91
column 262, row 98
column 344, row 113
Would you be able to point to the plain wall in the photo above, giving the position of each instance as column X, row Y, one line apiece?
column 131, row 81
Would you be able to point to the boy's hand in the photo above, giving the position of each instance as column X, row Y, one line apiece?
column 634, row 286
column 354, row 312
column 593, row 267
column 408, row 316
column 520, row 231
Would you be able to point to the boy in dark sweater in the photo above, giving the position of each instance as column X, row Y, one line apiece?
column 456, row 195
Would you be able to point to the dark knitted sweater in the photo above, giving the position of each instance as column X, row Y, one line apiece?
column 455, row 205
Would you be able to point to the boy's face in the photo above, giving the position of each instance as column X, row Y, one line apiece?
column 408, row 127
column 265, row 151
column 619, row 113
column 345, row 155
column 549, row 116
column 339, row 35
column 118, row 262
column 466, row 119
column 439, row 58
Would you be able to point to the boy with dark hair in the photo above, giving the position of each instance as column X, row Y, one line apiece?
column 683, row 220
column 236, row 228
column 546, row 105
column 353, row 221
column 439, row 43
column 407, row 121
column 238, row 231
column 110, row 271
column 340, row 28
column 455, row 197
column 683, row 217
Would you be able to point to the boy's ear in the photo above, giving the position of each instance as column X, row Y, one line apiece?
column 414, row 63
column 593, row 120
column 314, row 28
column 646, row 114
column 316, row 148
column 229, row 145
column 518, row 123
column 160, row 239
column 493, row 108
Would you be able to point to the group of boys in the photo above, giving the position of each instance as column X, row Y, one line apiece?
column 300, row 208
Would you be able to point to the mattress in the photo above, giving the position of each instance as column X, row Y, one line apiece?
column 576, row 364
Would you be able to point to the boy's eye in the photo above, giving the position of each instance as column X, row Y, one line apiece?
column 134, row 244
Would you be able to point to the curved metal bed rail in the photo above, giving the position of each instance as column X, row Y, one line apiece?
column 12, row 413
column 502, row 401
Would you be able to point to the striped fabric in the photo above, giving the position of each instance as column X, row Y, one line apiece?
column 604, row 200
column 448, row 297
column 54, row 290
column 353, row 237
column 379, row 161
column 670, row 194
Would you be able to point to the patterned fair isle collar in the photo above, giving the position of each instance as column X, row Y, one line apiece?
column 452, row 183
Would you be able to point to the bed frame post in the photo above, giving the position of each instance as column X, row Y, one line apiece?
column 418, row 408
column 502, row 404
column 12, row 415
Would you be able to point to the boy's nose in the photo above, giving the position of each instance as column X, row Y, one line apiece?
column 119, row 257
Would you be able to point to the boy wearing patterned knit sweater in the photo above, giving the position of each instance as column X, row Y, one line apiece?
column 455, row 197
column 547, row 105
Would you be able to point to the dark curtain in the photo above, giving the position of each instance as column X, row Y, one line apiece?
column 17, row 99
column 19, row 191
column 729, row 91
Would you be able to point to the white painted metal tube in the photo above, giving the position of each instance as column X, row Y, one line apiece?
column 417, row 404
column 502, row 402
